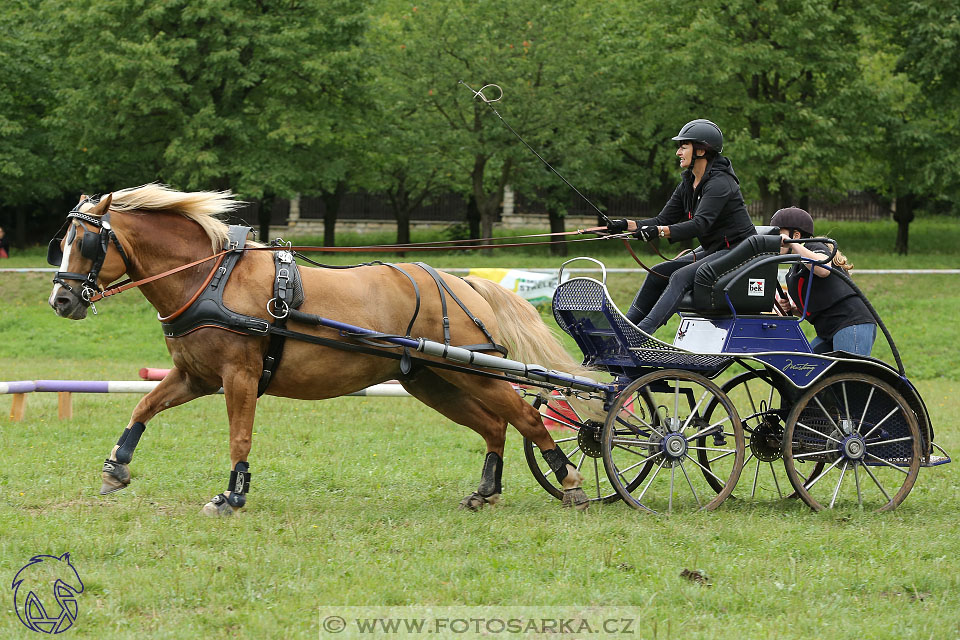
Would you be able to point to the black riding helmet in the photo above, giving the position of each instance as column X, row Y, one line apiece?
column 794, row 218
column 703, row 132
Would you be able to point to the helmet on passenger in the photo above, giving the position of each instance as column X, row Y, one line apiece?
column 701, row 132
column 794, row 218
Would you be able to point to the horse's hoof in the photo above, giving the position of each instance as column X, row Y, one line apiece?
column 474, row 502
column 576, row 498
column 115, row 476
column 217, row 508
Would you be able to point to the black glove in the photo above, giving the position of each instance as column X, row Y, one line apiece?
column 616, row 226
column 647, row 232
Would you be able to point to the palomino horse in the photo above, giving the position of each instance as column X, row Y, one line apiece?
column 151, row 229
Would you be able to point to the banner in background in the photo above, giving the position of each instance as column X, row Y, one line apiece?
column 535, row 288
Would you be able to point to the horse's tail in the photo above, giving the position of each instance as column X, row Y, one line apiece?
column 523, row 331
column 531, row 341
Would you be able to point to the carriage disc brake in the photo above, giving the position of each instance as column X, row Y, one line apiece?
column 766, row 442
column 589, row 439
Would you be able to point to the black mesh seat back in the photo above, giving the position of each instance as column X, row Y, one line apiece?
column 753, row 289
column 583, row 308
column 583, row 299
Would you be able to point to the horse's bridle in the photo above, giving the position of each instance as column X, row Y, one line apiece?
column 93, row 247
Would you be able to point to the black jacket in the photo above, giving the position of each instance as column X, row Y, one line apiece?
column 714, row 212
column 833, row 304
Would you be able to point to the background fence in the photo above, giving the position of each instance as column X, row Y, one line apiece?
column 452, row 208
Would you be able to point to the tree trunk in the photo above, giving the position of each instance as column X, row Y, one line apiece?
column 473, row 217
column 488, row 210
column 557, row 225
column 486, row 204
column 903, row 213
column 264, row 214
column 769, row 200
column 20, row 230
column 487, row 213
column 331, row 208
column 403, row 226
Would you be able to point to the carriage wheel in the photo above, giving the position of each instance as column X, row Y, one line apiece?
column 580, row 442
column 652, row 463
column 760, row 405
column 866, row 436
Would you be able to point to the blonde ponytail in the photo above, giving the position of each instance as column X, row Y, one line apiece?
column 840, row 260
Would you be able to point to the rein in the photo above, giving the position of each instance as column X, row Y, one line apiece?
column 636, row 258
column 417, row 246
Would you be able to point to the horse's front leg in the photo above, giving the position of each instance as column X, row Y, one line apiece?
column 175, row 389
column 240, row 391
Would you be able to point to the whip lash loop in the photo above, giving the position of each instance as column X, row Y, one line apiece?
column 489, row 102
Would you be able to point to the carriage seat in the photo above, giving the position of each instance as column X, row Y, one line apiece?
column 753, row 289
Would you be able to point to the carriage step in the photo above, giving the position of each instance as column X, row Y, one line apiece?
column 934, row 461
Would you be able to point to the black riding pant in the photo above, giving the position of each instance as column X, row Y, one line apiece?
column 659, row 297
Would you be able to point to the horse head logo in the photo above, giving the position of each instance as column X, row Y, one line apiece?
column 38, row 576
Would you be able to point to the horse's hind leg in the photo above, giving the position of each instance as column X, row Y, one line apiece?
column 175, row 389
column 500, row 398
column 462, row 408
column 476, row 402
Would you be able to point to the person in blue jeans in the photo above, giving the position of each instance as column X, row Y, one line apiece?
column 707, row 205
column 840, row 318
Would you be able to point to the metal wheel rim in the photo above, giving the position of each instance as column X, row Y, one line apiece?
column 638, row 440
column 863, row 475
column 754, row 469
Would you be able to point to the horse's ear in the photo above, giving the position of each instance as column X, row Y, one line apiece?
column 103, row 206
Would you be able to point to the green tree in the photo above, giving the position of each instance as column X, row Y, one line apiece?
column 401, row 160
column 782, row 78
column 207, row 93
column 30, row 170
column 923, row 130
column 525, row 47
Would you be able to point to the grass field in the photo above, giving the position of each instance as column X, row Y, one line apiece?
column 354, row 503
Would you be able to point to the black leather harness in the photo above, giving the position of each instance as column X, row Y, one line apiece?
column 209, row 311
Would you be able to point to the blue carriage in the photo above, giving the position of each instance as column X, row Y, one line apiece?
column 738, row 392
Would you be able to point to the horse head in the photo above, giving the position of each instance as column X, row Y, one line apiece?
column 87, row 254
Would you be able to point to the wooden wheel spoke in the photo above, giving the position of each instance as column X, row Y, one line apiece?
column 690, row 484
column 822, row 474
column 876, row 482
column 836, row 491
column 724, row 455
column 819, row 433
column 881, row 442
column 776, row 482
column 693, row 412
column 888, row 463
column 885, row 418
column 706, row 470
column 650, row 481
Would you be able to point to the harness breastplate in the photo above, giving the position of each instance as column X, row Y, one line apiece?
column 208, row 309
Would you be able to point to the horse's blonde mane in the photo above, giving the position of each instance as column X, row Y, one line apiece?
column 200, row 206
